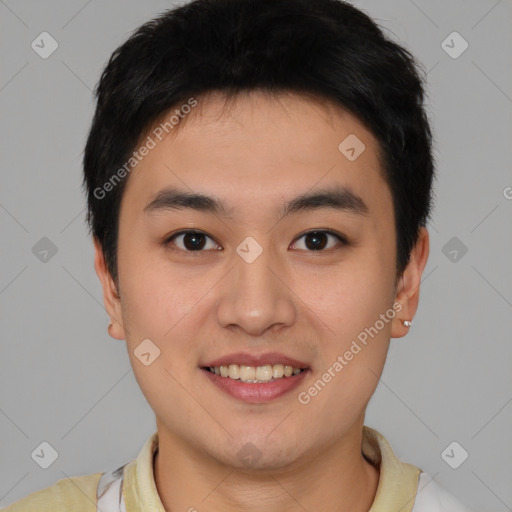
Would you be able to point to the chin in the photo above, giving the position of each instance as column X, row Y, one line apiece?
column 250, row 454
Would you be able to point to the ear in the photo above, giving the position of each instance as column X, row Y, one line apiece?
column 408, row 289
column 111, row 297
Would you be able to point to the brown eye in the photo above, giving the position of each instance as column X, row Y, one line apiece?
column 192, row 241
column 319, row 240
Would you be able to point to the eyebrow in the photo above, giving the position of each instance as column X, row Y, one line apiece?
column 336, row 197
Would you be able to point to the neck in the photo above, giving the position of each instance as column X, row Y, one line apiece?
column 335, row 479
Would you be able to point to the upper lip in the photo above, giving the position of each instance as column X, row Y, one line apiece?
column 247, row 359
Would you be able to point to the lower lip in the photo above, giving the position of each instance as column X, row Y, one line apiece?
column 256, row 393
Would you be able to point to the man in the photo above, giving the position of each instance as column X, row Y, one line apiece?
column 258, row 175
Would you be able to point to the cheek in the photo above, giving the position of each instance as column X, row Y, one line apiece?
column 349, row 296
column 156, row 297
column 158, row 306
column 355, row 346
column 166, row 305
column 349, row 301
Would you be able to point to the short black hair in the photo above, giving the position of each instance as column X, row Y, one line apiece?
column 325, row 48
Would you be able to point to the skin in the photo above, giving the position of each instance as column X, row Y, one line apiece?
column 310, row 305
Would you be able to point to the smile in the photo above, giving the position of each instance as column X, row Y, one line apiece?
column 255, row 374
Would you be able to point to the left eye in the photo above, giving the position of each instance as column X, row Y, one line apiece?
column 319, row 240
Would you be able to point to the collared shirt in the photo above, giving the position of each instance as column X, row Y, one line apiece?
column 131, row 488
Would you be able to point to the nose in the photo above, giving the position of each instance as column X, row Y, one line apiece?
column 255, row 297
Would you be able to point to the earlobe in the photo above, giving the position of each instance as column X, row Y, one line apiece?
column 116, row 331
column 408, row 291
column 111, row 297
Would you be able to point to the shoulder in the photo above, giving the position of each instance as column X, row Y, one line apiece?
column 76, row 493
column 431, row 497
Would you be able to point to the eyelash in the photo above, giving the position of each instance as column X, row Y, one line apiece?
column 341, row 239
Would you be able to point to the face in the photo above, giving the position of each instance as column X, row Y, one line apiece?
column 285, row 259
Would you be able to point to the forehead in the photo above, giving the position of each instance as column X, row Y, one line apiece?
column 257, row 147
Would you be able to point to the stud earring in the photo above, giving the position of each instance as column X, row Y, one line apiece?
column 407, row 323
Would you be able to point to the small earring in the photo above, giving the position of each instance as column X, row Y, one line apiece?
column 407, row 323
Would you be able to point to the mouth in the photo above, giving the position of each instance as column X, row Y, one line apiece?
column 255, row 374
column 255, row 379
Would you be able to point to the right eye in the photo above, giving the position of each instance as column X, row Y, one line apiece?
column 191, row 241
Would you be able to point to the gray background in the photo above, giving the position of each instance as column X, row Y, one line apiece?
column 64, row 381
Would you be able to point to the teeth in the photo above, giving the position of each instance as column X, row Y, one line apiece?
column 254, row 374
column 264, row 373
column 247, row 372
column 233, row 371
column 277, row 371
